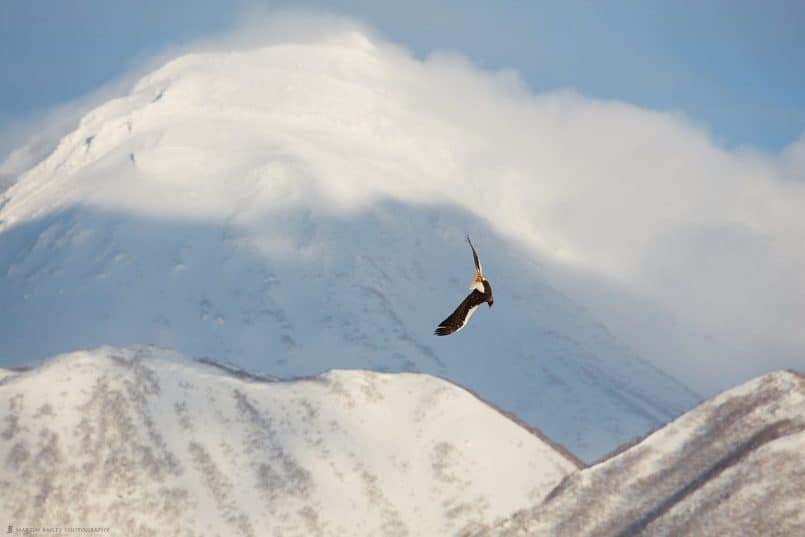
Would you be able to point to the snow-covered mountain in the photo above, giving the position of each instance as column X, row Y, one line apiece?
column 147, row 442
column 735, row 465
column 297, row 208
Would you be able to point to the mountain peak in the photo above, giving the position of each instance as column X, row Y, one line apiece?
column 296, row 208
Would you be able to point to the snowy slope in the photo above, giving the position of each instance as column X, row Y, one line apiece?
column 735, row 465
column 297, row 208
column 148, row 442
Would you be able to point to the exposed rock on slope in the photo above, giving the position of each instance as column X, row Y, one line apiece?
column 150, row 443
column 735, row 465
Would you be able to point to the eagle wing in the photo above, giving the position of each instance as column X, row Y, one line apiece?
column 459, row 318
column 478, row 277
column 474, row 255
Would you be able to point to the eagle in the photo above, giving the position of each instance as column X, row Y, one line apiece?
column 481, row 292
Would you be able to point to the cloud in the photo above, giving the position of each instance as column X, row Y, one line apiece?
column 642, row 201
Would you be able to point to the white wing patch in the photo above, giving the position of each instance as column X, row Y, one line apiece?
column 467, row 318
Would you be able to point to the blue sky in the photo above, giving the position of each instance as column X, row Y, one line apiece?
column 735, row 67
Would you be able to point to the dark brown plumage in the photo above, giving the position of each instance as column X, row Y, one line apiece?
column 481, row 292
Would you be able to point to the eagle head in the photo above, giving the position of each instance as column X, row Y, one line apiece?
column 488, row 292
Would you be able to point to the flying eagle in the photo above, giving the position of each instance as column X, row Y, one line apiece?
column 481, row 292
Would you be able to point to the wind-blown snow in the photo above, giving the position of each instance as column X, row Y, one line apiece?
column 146, row 441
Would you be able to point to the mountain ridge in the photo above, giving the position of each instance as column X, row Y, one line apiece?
column 144, row 440
column 732, row 465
